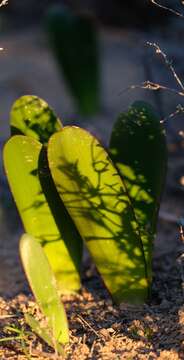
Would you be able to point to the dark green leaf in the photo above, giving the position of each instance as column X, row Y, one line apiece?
column 138, row 148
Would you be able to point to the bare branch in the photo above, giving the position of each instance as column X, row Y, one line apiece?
column 3, row 2
column 148, row 85
column 178, row 111
column 167, row 63
column 167, row 8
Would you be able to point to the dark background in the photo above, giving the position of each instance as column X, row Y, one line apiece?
column 117, row 13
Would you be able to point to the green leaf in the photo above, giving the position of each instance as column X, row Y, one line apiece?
column 74, row 42
column 42, row 333
column 43, row 285
column 32, row 116
column 138, row 148
column 71, row 256
column 95, row 197
column 43, row 213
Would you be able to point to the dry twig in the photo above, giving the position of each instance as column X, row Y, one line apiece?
column 84, row 322
column 149, row 85
column 168, row 64
column 168, row 8
column 2, row 317
column 3, row 2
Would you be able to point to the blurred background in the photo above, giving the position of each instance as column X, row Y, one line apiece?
column 29, row 66
column 119, row 32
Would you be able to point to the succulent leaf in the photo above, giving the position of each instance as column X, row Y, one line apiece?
column 25, row 165
column 96, row 199
column 43, row 285
column 138, row 149
column 32, row 116
column 43, row 333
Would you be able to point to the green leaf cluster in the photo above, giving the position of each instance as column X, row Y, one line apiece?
column 69, row 190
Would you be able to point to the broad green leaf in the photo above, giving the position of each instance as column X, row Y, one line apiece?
column 43, row 285
column 73, row 39
column 32, row 116
column 42, row 333
column 95, row 197
column 25, row 162
column 71, row 256
column 138, row 148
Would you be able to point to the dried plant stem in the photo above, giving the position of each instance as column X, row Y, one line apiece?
column 153, row 86
column 181, row 233
column 3, row 2
column 179, row 109
column 84, row 322
column 149, row 85
column 7, row 316
column 167, row 8
column 148, row 71
column 167, row 63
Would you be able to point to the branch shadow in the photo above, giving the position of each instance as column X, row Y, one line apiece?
column 99, row 206
column 37, row 118
column 48, row 205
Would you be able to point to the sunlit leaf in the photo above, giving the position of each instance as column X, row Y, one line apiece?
column 32, row 116
column 42, row 332
column 43, row 285
column 43, row 213
column 95, row 197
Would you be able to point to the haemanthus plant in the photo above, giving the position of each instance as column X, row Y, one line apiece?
column 70, row 190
